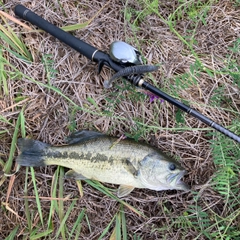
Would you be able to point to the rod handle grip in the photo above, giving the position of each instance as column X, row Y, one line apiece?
column 77, row 44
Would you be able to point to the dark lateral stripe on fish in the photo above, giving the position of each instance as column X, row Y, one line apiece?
column 35, row 154
column 78, row 156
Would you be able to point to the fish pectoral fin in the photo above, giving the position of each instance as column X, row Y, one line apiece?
column 75, row 175
column 129, row 166
column 83, row 135
column 124, row 190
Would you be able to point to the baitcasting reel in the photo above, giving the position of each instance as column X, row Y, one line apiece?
column 125, row 54
column 130, row 57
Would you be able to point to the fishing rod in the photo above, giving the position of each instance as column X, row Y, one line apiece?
column 124, row 59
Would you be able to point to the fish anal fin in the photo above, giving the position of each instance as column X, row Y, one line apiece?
column 83, row 135
column 75, row 175
column 124, row 190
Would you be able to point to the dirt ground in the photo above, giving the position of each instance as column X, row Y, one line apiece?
column 50, row 117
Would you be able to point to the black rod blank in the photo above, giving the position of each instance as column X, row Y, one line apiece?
column 98, row 56
column 192, row 112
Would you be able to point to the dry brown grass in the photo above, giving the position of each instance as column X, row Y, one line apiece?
column 49, row 116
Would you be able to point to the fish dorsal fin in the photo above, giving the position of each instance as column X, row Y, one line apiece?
column 82, row 136
column 124, row 190
column 75, row 175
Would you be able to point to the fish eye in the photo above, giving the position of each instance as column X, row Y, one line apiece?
column 172, row 166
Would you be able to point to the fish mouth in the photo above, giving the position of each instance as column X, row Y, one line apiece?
column 175, row 179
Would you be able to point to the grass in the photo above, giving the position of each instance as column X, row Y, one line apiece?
column 13, row 43
column 50, row 96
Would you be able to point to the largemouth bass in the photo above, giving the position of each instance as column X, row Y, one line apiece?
column 93, row 155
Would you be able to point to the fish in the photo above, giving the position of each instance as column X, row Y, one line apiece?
column 96, row 156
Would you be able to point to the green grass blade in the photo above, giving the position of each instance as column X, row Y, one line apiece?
column 80, row 188
column 106, row 230
column 124, row 223
column 8, row 165
column 88, row 223
column 61, row 213
column 41, row 235
column 118, row 227
column 3, row 76
column 77, row 225
column 27, row 212
column 22, row 124
column 12, row 235
column 54, row 205
column 75, row 26
column 63, row 221
column 37, row 196
column 4, row 120
column 2, row 163
column 106, row 191
column 8, row 35
column 2, row 132
column 93, row 102
column 17, row 55
column 82, row 25
column 34, row 232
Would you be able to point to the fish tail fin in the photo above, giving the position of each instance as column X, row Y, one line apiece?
column 32, row 152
